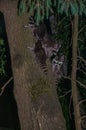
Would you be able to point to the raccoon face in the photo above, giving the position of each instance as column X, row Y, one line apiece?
column 31, row 22
column 31, row 25
column 38, row 31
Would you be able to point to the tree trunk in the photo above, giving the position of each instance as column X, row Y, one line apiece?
column 37, row 101
column 73, row 75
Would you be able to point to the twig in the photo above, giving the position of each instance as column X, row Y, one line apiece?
column 81, row 29
column 70, row 106
column 72, row 30
column 61, row 21
column 81, row 40
column 81, row 84
column 65, row 94
column 82, row 117
column 3, row 87
column 83, row 121
column 82, row 59
column 66, row 77
column 82, row 101
column 81, row 71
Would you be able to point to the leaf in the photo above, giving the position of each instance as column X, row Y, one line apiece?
column 22, row 7
column 81, row 8
column 67, row 8
column 38, row 14
column 59, row 5
column 55, row 3
column 74, row 8
column 42, row 12
column 32, row 7
column 48, row 7
column 63, row 7
column 1, row 42
column 85, row 12
column 48, row 3
column 47, row 13
column 60, row 1
column 28, row 2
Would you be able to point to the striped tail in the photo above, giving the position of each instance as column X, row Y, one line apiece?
column 44, row 68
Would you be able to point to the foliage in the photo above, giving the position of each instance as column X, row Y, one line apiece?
column 2, row 57
column 22, row 7
column 62, row 88
column 81, row 74
column 42, row 9
column 64, row 25
column 82, row 36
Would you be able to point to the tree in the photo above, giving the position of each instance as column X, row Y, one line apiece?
column 35, row 112
column 69, row 8
column 73, row 75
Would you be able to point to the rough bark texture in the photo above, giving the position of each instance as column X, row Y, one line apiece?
column 73, row 75
column 37, row 101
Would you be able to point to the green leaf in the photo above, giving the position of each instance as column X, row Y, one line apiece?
column 47, row 13
column 55, row 3
column 1, row 42
column 48, row 7
column 59, row 5
column 81, row 8
column 85, row 12
column 42, row 12
column 32, row 7
column 22, row 7
column 63, row 7
column 29, row 2
column 74, row 8
column 38, row 13
column 67, row 8
column 48, row 3
column 60, row 1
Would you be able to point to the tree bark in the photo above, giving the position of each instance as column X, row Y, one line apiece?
column 37, row 101
column 73, row 74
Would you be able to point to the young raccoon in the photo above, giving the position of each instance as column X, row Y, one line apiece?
column 37, row 30
column 40, row 56
column 58, row 64
column 51, row 47
column 46, row 48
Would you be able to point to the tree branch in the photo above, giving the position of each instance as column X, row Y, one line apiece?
column 82, row 59
column 70, row 105
column 81, row 29
column 65, row 94
column 82, row 117
column 82, row 101
column 81, row 71
column 3, row 87
column 81, row 84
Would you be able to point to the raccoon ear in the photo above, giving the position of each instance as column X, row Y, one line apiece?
column 32, row 21
column 31, row 18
